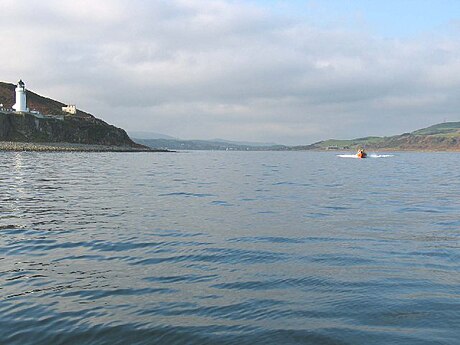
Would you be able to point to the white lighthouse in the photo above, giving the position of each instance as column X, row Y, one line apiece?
column 21, row 100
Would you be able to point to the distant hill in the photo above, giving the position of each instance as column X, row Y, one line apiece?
column 440, row 137
column 80, row 128
column 440, row 129
column 149, row 135
column 153, row 139
column 245, row 143
column 176, row 144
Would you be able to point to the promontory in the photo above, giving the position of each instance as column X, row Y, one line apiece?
column 32, row 122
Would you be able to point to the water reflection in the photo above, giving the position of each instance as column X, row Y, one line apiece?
column 213, row 247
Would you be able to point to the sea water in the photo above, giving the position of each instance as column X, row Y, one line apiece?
column 229, row 248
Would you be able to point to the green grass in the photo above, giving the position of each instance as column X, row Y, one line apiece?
column 350, row 143
column 442, row 128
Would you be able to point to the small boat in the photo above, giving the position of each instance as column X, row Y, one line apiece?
column 361, row 153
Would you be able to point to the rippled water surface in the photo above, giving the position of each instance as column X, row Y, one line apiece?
column 229, row 248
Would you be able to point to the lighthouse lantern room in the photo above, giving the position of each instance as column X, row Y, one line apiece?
column 21, row 100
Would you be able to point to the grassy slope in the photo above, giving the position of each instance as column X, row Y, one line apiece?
column 443, row 136
column 440, row 129
column 34, row 101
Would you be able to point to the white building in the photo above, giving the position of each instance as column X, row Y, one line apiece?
column 21, row 100
column 71, row 109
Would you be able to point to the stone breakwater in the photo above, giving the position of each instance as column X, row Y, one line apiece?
column 68, row 147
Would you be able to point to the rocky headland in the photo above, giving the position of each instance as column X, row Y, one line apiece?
column 47, row 128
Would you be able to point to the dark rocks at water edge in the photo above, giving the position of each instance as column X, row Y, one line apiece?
column 69, row 147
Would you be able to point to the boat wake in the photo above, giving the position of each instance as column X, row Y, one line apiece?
column 348, row 156
column 380, row 156
column 373, row 155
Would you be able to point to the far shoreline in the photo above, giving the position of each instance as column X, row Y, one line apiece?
column 14, row 146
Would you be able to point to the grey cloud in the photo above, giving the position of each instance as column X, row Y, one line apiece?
column 204, row 69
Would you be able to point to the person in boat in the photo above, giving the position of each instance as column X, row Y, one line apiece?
column 361, row 153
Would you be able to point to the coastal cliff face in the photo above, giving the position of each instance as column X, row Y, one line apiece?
column 80, row 128
column 68, row 129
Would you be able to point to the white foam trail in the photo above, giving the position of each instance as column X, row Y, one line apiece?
column 380, row 156
column 347, row 156
column 373, row 155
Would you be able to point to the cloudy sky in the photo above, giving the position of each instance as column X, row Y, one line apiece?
column 291, row 72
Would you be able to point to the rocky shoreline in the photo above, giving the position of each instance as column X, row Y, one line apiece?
column 69, row 147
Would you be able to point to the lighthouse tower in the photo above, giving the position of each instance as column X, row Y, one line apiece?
column 21, row 101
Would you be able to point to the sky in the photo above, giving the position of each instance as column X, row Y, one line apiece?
column 290, row 72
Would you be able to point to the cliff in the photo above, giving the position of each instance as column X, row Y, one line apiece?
column 68, row 129
column 80, row 128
